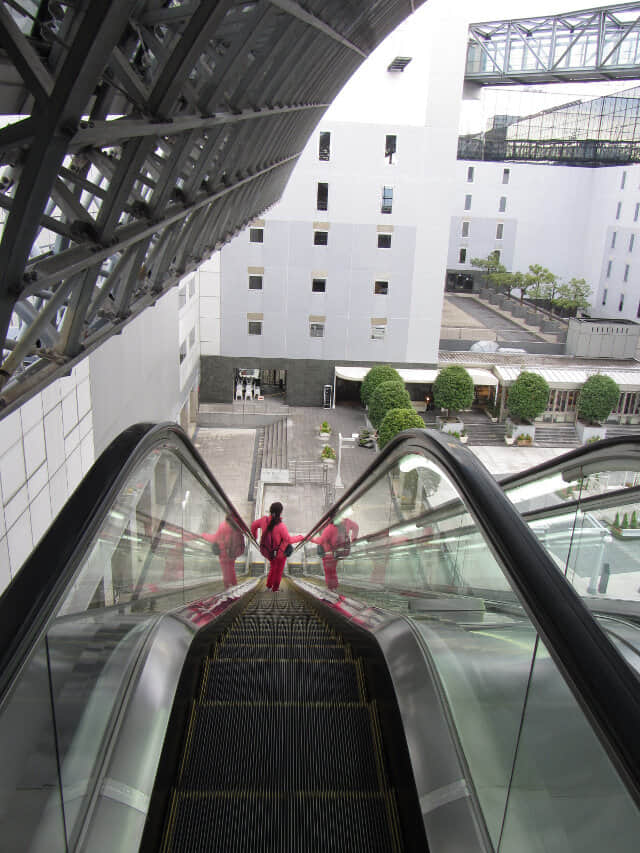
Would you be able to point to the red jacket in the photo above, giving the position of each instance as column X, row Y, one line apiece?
column 330, row 536
column 280, row 535
column 229, row 538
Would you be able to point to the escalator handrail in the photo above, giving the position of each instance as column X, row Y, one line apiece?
column 602, row 682
column 594, row 456
column 30, row 599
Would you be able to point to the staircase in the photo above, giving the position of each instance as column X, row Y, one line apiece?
column 274, row 454
column 556, row 435
column 283, row 748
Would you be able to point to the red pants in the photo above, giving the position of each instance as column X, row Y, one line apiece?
column 228, row 567
column 330, row 566
column 276, row 568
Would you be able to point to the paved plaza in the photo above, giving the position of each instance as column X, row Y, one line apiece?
column 229, row 453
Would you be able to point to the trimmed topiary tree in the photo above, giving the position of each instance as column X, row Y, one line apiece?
column 397, row 420
column 528, row 396
column 598, row 397
column 379, row 373
column 388, row 395
column 453, row 388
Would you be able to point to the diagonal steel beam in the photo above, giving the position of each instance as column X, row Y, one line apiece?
column 296, row 11
column 36, row 77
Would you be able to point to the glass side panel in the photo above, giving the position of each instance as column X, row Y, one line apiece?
column 406, row 542
column 565, row 794
column 167, row 539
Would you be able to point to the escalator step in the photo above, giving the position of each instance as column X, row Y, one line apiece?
column 285, row 681
column 281, row 651
column 280, row 748
column 297, row 823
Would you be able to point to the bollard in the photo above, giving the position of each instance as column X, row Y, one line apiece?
column 604, row 578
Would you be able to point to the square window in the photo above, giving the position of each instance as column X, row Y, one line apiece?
column 386, row 205
column 381, row 288
column 322, row 200
column 465, row 229
column 255, row 327
column 506, row 174
column 384, row 241
column 462, row 256
column 618, row 209
column 256, row 235
column 604, row 296
column 320, row 238
column 390, row 144
column 324, row 147
column 316, row 330
column 496, row 254
column 503, row 204
column 318, row 285
column 467, row 202
column 378, row 332
column 255, row 282
column 499, row 231
column 470, row 174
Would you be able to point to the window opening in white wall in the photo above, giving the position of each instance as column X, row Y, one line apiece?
column 613, row 239
column 623, row 180
column 609, row 266
column 604, row 296
column 503, row 204
column 322, row 200
column 632, row 240
column 255, row 282
column 378, row 328
column 467, row 202
column 384, row 241
column 638, row 311
column 621, row 303
column 399, row 63
column 324, row 146
column 316, row 330
column 318, row 285
column 496, row 254
column 462, row 256
column 636, row 212
column 390, row 147
column 381, row 288
column 256, row 235
column 320, row 238
column 470, row 173
column 626, row 272
column 386, row 205
column 618, row 209
column 255, row 327
column 499, row 231
column 506, row 174
column 183, row 351
column 465, row 229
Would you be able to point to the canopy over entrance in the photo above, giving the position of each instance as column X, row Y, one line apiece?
column 414, row 375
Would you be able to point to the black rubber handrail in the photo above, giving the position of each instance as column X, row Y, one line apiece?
column 604, row 685
column 28, row 602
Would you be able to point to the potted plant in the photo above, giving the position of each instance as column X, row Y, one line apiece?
column 464, row 436
column 528, row 398
column 325, row 431
column 453, row 390
column 598, row 397
column 509, row 437
column 524, row 440
column 328, row 454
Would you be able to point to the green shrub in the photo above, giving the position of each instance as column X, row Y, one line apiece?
column 328, row 452
column 324, row 427
column 598, row 397
column 388, row 395
column 634, row 520
column 453, row 388
column 616, row 520
column 397, row 420
column 379, row 373
column 625, row 521
column 528, row 396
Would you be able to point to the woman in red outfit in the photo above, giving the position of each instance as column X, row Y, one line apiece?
column 228, row 544
column 334, row 543
column 275, row 543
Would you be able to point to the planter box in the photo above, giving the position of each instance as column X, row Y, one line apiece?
column 587, row 431
column 324, row 436
column 524, row 429
column 509, row 439
column 449, row 426
column 524, row 442
column 625, row 532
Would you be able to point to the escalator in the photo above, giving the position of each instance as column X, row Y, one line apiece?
column 454, row 692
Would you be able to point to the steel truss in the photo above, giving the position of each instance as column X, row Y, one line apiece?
column 595, row 44
column 149, row 133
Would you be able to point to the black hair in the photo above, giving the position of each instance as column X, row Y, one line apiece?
column 276, row 511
